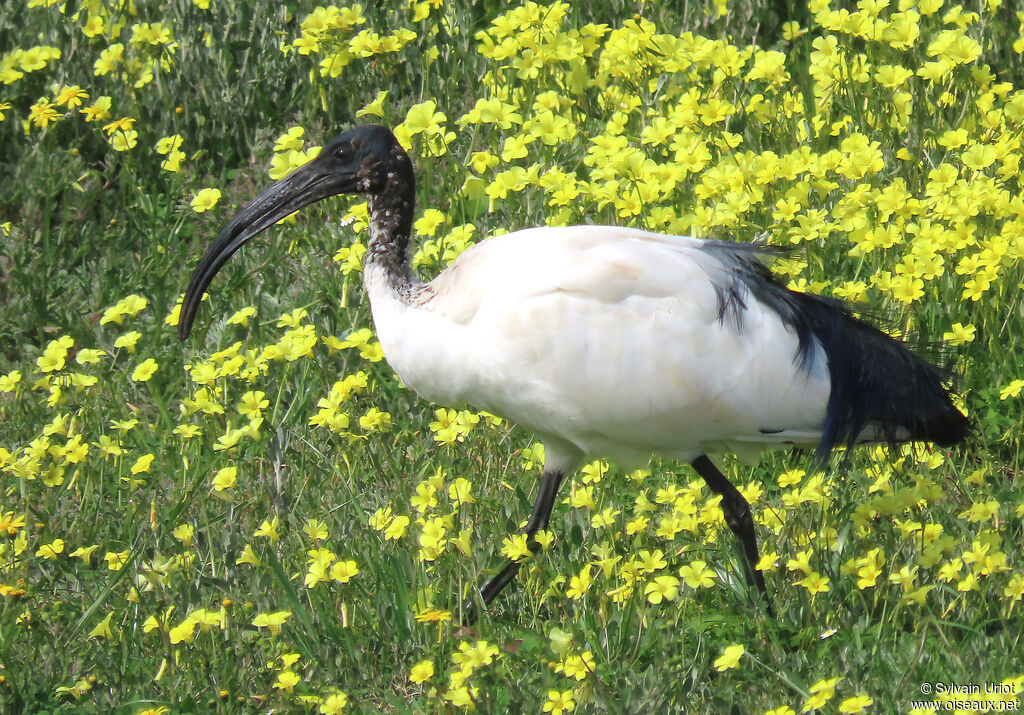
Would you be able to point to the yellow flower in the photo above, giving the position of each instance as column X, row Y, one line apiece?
column 71, row 96
column 1014, row 590
column 292, row 319
column 423, row 119
column 252, row 403
column 285, row 162
column 730, row 657
column 515, row 548
column 801, row 562
column 960, row 334
column 768, row 562
column 422, row 671
column 593, row 472
column 375, row 420
column 376, row 107
column 172, row 162
column 184, row 534
column 662, row 588
column 142, row 464
column 79, row 690
column 291, row 140
column 168, row 144
column 102, row 629
column 241, row 316
column 84, row 553
column 10, row 380
column 461, row 491
column 426, row 497
column 559, row 702
column 42, row 113
column 88, row 356
column 396, row 529
column 98, row 111
column 583, row 498
column 343, row 571
column 128, row 341
column 460, row 696
column 124, row 140
column 433, row 615
column 380, row 519
column 334, row 704
column 577, row 666
column 205, row 200
column 272, row 621
column 286, row 680
column 115, row 560
column 51, row 550
column 978, row 157
column 428, row 223
column 514, row 147
column 697, row 575
column 315, row 530
column 856, row 704
column 579, row 585
column 605, row 518
column 225, row 478
column 269, row 529
column 182, row 633
column 51, row 360
column 953, row 138
column 814, row 582
column 907, row 289
column 1011, row 390
column 151, row 33
column 648, row 562
column 471, row 657
column 144, row 370
column 968, row 583
column 821, row 693
column 248, row 557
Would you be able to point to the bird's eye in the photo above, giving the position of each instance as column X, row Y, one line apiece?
column 343, row 153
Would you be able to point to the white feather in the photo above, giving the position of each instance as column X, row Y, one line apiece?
column 605, row 342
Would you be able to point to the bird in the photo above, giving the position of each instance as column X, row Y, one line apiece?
column 613, row 342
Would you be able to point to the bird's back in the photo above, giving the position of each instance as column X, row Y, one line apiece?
column 622, row 343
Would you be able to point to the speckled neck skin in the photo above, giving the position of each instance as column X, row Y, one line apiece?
column 391, row 210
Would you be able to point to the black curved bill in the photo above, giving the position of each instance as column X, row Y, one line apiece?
column 306, row 185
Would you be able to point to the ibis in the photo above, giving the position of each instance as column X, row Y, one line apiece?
column 612, row 342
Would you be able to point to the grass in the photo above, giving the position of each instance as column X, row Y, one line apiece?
column 135, row 575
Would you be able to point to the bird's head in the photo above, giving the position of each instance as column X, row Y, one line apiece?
column 360, row 161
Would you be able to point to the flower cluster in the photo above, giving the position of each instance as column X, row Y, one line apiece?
column 250, row 509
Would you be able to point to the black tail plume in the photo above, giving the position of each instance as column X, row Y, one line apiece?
column 878, row 384
column 879, row 387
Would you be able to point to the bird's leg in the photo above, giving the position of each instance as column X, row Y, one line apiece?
column 549, row 483
column 740, row 521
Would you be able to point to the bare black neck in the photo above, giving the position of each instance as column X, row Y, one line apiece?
column 391, row 211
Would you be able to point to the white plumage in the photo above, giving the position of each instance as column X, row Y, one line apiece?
column 612, row 342
column 604, row 341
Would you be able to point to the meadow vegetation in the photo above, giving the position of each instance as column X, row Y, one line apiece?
column 263, row 518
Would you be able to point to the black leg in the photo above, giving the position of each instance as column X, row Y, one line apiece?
column 740, row 521
column 549, row 483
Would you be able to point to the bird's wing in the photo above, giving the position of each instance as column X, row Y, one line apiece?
column 607, row 264
column 613, row 339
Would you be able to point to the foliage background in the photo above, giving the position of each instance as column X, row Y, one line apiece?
column 263, row 518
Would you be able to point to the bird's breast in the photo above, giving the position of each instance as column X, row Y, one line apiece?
column 618, row 363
